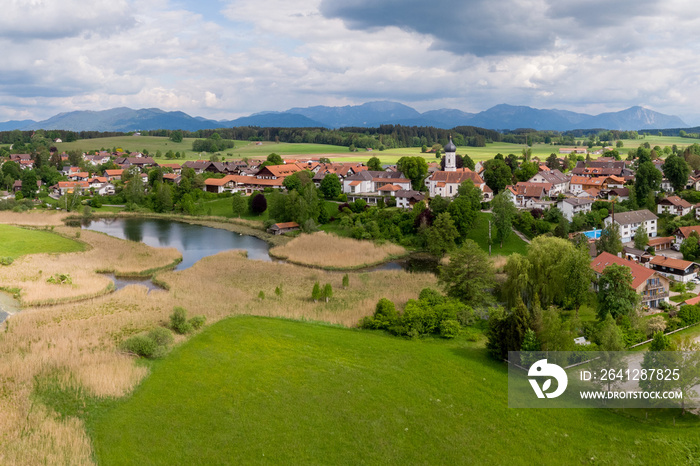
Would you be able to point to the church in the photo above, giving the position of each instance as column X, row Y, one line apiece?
column 446, row 183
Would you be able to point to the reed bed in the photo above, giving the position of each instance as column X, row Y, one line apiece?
column 33, row 218
column 80, row 340
column 324, row 250
column 30, row 273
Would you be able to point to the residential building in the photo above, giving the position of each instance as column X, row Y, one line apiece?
column 674, row 205
column 651, row 286
column 407, row 198
column 369, row 181
column 558, row 181
column 630, row 221
column 573, row 205
column 676, row 269
column 683, row 233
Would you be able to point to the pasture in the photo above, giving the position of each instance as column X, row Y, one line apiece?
column 253, row 390
column 16, row 242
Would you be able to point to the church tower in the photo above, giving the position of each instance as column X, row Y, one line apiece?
column 450, row 156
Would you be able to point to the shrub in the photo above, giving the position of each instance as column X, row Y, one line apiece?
column 161, row 336
column 689, row 314
column 60, row 279
column 6, row 260
column 178, row 321
column 141, row 345
column 449, row 328
column 197, row 322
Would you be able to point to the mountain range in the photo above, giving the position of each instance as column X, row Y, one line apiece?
column 370, row 114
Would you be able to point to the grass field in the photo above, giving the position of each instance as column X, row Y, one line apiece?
column 480, row 234
column 16, row 242
column 337, row 153
column 253, row 390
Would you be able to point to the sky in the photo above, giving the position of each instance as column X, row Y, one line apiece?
column 222, row 59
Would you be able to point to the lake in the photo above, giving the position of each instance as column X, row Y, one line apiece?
column 193, row 241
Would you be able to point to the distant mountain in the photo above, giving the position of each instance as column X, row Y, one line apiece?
column 124, row 119
column 633, row 117
column 370, row 114
column 274, row 120
column 15, row 124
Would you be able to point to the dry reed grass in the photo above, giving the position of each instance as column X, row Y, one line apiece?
column 33, row 218
column 80, row 340
column 333, row 252
column 29, row 273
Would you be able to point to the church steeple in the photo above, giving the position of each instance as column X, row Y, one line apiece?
column 450, row 156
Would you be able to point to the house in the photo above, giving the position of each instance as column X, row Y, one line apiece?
column 175, row 167
column 407, row 198
column 674, row 205
column 676, row 269
column 524, row 194
column 114, row 175
column 17, row 186
column 619, row 194
column 369, row 181
column 577, row 184
column 141, row 162
column 103, row 189
column 281, row 228
column 651, row 286
column 274, row 172
column 636, row 255
column 63, row 187
column 573, row 150
column 683, row 233
column 218, row 185
column 605, row 167
column 573, row 205
column 172, row 177
column 198, row 166
column 630, row 221
column 558, row 181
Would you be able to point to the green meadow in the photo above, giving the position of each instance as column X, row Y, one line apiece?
column 16, row 242
column 259, row 390
column 480, row 234
column 338, row 153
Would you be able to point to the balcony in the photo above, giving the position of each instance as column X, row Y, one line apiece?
column 649, row 297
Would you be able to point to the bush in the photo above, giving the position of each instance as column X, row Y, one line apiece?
column 197, row 322
column 141, row 345
column 178, row 321
column 60, row 279
column 449, row 328
column 161, row 336
column 689, row 314
column 6, row 260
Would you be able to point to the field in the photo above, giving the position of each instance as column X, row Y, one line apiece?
column 336, row 153
column 332, row 252
column 251, row 390
column 480, row 234
column 16, row 242
column 76, row 345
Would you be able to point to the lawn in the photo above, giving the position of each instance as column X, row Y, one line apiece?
column 480, row 234
column 251, row 390
column 16, row 242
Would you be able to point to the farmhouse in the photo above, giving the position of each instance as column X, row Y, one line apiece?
column 649, row 285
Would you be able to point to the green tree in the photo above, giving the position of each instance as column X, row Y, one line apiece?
column 163, row 201
column 439, row 204
column 647, row 179
column 660, row 342
column 238, row 204
column 615, row 293
column 676, row 170
column 504, row 211
column 690, row 247
column 346, row 281
column 275, row 159
column 316, row 292
column 29, row 184
column 416, row 169
column 331, row 186
column 374, row 164
column 327, row 292
column 469, row 275
column 579, row 275
column 497, row 175
column 641, row 238
column 517, row 283
column 176, row 136
column 442, row 235
column 609, row 240
column 465, row 207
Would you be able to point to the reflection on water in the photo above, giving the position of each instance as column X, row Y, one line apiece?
column 422, row 263
column 8, row 306
column 193, row 241
column 120, row 282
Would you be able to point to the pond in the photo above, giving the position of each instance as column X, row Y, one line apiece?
column 8, row 306
column 193, row 241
